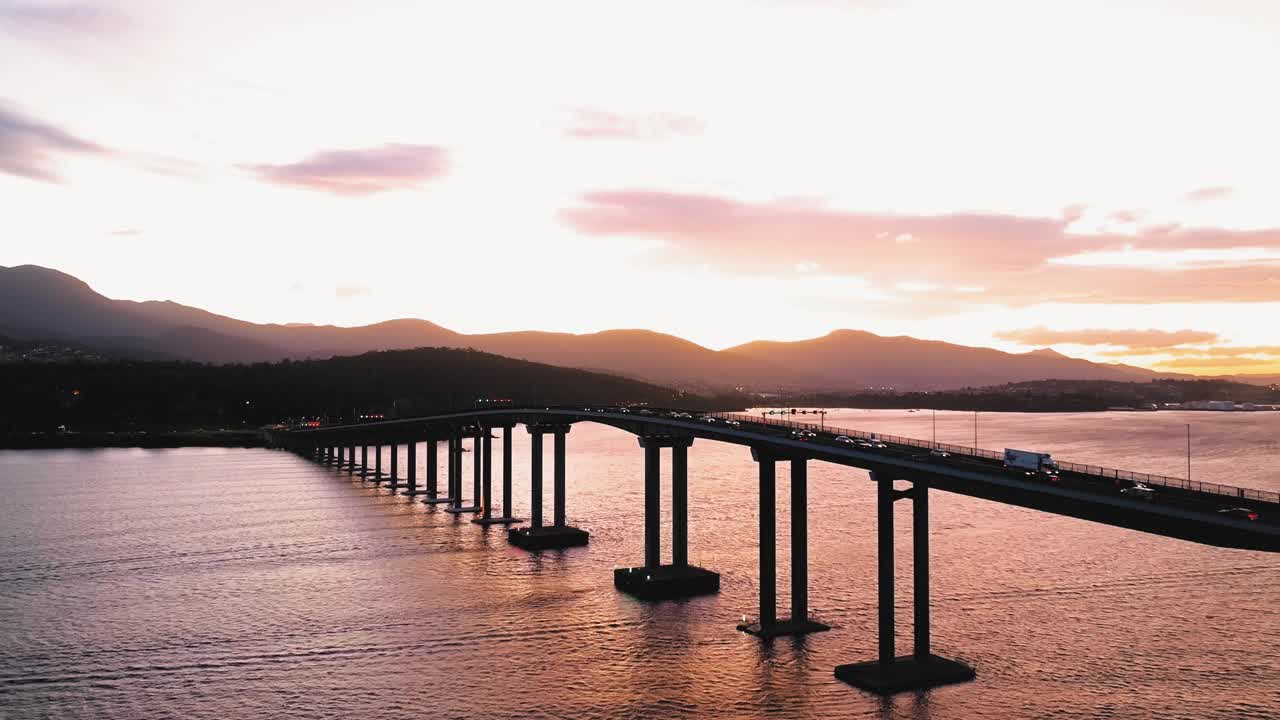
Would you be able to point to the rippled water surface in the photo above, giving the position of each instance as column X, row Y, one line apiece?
column 224, row 583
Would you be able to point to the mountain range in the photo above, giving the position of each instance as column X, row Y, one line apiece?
column 41, row 303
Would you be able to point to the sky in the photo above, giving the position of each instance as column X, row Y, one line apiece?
column 1099, row 177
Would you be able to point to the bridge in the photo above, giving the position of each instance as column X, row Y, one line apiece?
column 1207, row 513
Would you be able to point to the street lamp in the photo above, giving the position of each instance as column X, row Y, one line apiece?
column 935, row 425
column 1188, row 452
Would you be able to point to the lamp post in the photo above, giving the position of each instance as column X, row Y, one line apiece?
column 975, row 429
column 935, row 425
column 1188, row 452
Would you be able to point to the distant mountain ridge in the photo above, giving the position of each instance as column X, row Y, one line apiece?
column 37, row 302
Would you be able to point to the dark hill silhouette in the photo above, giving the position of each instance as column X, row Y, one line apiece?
column 37, row 302
column 125, row 395
column 853, row 359
column 642, row 354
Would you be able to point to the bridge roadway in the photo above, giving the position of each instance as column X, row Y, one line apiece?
column 1198, row 512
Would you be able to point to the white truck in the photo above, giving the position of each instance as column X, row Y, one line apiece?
column 1032, row 462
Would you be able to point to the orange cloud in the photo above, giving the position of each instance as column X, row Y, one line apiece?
column 1132, row 338
column 1220, row 362
column 1220, row 351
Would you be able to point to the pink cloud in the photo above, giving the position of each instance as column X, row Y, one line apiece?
column 29, row 147
column 1208, row 193
column 48, row 18
column 360, row 172
column 1009, row 255
column 592, row 124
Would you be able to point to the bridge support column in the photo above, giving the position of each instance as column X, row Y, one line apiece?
column 477, row 467
column 486, row 478
column 452, row 471
column 411, row 460
column 377, row 463
column 394, row 477
column 679, row 505
column 655, row 581
column 453, row 495
column 557, row 501
column 889, row 674
column 558, row 535
column 920, row 569
column 341, row 453
column 364, row 460
column 487, row 517
column 535, row 478
column 351, row 459
column 652, row 503
column 458, row 507
column 433, row 470
column 799, row 623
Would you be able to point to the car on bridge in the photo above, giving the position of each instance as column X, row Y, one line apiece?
column 1239, row 512
column 804, row 435
column 732, row 423
column 939, row 453
column 1140, row 491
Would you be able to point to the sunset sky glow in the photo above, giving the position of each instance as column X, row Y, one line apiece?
column 1098, row 177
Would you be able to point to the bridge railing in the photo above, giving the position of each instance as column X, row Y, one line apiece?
column 1093, row 470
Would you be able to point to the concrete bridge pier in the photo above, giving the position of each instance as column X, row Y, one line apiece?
column 558, row 535
column 412, row 459
column 433, row 461
column 487, row 516
column 377, row 464
column 394, row 475
column 351, row 459
column 364, row 461
column 653, row 580
column 474, row 507
column 450, row 496
column 799, row 623
column 338, row 458
column 888, row 673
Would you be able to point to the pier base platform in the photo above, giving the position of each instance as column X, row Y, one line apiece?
column 463, row 509
column 413, row 493
column 666, row 581
column 497, row 521
column 438, row 500
column 906, row 673
column 547, row 537
column 783, row 627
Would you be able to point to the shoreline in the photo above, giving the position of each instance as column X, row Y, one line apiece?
column 132, row 438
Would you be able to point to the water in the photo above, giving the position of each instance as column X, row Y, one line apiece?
column 224, row 583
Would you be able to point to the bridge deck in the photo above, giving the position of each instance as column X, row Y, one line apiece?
column 1194, row 511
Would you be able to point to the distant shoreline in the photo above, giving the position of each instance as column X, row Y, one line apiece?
column 132, row 438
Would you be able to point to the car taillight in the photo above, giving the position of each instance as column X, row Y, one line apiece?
column 1253, row 516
